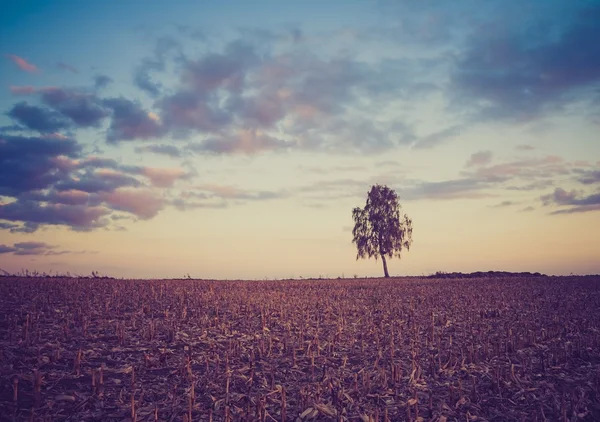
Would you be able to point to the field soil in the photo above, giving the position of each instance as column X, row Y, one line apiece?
column 414, row 349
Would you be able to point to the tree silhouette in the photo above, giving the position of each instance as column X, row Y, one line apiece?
column 378, row 228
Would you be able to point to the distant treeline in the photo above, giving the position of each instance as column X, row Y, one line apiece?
column 485, row 274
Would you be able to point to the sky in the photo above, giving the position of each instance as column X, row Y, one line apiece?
column 232, row 139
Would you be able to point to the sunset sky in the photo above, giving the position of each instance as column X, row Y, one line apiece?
column 231, row 139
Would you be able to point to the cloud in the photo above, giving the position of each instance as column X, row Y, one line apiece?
column 96, row 181
column 590, row 177
column 130, row 121
column 466, row 188
column 479, row 158
column 524, row 148
column 142, row 77
column 33, row 248
column 249, row 141
column 145, row 204
column 28, row 163
column 69, row 197
column 437, row 138
column 163, row 178
column 84, row 109
column 185, row 111
column 562, row 197
column 504, row 204
column 578, row 209
column 242, row 98
column 532, row 169
column 161, row 149
column 101, row 81
column 537, row 185
column 6, row 249
column 23, row 64
column 185, row 204
column 204, row 83
column 232, row 192
column 78, row 217
column 50, row 182
column 573, row 199
column 519, row 72
column 38, row 118
column 67, row 67
column 22, row 90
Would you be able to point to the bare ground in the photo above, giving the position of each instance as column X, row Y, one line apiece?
column 507, row 349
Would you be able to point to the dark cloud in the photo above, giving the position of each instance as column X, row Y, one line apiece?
column 31, row 163
column 161, row 149
column 562, row 197
column 69, row 197
column 576, row 202
column 101, row 81
column 12, row 128
column 526, row 70
column 578, row 209
column 129, row 121
column 84, row 109
column 6, row 249
column 95, row 182
column 31, row 245
column 479, row 158
column 78, row 217
column 51, row 183
column 33, row 248
column 590, row 177
column 38, row 118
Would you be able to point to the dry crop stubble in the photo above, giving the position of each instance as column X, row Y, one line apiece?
column 337, row 350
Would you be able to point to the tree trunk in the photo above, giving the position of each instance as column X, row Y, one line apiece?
column 387, row 275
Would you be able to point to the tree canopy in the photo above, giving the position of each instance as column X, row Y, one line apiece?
column 379, row 227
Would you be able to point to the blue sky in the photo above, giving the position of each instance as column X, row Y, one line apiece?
column 232, row 139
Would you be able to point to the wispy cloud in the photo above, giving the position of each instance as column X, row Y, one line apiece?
column 23, row 64
column 22, row 90
column 34, row 248
column 67, row 67
column 479, row 158
column 161, row 149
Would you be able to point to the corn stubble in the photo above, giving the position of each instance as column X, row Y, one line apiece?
column 314, row 350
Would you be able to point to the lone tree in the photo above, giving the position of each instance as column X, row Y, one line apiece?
column 378, row 228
